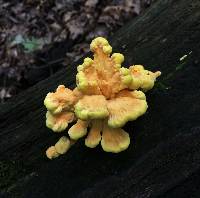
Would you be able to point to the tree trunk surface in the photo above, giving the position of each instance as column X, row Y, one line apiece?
column 163, row 159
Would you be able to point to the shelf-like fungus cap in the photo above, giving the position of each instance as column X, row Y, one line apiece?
column 127, row 106
column 62, row 99
column 114, row 140
column 94, row 136
column 60, row 148
column 78, row 130
column 142, row 78
column 63, row 145
column 58, row 122
column 51, row 152
column 105, row 99
column 91, row 107
column 102, row 75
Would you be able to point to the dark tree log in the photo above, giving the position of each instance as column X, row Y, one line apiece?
column 163, row 159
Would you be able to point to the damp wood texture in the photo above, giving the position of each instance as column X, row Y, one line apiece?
column 164, row 157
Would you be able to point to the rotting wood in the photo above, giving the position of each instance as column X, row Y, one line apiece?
column 158, row 39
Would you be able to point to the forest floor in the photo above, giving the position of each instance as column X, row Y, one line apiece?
column 37, row 38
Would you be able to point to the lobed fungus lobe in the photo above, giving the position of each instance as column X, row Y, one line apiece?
column 105, row 99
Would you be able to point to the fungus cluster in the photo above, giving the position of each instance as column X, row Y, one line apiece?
column 107, row 96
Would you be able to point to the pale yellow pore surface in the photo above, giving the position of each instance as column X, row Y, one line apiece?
column 114, row 140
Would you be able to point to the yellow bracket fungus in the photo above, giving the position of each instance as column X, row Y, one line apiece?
column 105, row 99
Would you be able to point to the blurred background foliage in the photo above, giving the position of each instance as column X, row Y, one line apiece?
column 39, row 37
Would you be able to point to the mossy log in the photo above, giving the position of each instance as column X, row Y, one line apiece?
column 163, row 159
